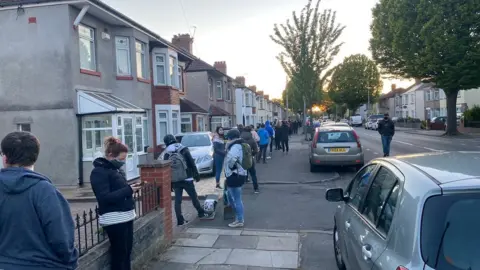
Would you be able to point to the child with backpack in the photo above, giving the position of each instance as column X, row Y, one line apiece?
column 238, row 160
column 184, row 172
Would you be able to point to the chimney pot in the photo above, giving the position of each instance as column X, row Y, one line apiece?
column 183, row 41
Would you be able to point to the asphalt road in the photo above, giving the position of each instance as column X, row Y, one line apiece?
column 292, row 198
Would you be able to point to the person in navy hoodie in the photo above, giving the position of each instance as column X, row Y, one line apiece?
column 36, row 225
column 271, row 133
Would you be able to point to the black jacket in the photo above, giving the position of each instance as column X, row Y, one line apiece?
column 247, row 137
column 284, row 132
column 386, row 127
column 192, row 171
column 110, row 186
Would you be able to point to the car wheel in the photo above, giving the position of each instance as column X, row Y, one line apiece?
column 338, row 252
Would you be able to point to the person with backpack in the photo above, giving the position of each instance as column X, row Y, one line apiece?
column 239, row 159
column 246, row 135
column 218, row 141
column 263, row 143
column 184, row 172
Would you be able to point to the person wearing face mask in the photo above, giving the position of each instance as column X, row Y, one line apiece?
column 116, row 205
column 218, row 154
column 36, row 225
column 386, row 128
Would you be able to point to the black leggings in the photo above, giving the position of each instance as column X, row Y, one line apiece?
column 121, row 241
column 285, row 145
column 271, row 143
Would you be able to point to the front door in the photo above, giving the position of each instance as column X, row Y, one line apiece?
column 129, row 139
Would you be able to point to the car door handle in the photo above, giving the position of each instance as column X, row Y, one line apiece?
column 347, row 224
column 367, row 252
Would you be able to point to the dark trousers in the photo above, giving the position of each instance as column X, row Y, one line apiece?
column 285, row 145
column 271, row 143
column 121, row 241
column 278, row 144
column 386, row 140
column 253, row 174
column 262, row 153
column 189, row 187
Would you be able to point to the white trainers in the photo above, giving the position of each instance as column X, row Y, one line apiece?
column 235, row 224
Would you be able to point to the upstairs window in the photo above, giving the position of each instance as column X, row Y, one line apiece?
column 160, row 78
column 219, row 90
column 122, row 51
column 140, row 52
column 86, row 38
column 229, row 94
column 180, row 78
column 210, row 88
column 173, row 72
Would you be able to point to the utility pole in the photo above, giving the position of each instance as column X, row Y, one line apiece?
column 286, row 95
column 368, row 103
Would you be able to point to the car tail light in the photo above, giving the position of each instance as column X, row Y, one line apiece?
column 401, row 268
column 314, row 140
column 357, row 138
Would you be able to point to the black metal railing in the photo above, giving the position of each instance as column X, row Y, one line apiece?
column 89, row 232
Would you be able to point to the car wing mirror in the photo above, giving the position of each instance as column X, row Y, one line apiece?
column 335, row 195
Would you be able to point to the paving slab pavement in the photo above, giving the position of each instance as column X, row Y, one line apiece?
column 207, row 248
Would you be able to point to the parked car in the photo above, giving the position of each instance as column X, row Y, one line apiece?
column 335, row 146
column 372, row 119
column 438, row 123
column 335, row 124
column 410, row 212
column 356, row 121
column 201, row 147
column 374, row 125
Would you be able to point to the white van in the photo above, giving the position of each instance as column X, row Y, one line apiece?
column 356, row 121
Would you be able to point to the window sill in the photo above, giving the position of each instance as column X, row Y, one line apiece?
column 142, row 80
column 124, row 78
column 90, row 72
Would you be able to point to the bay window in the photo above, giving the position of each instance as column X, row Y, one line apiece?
column 175, row 115
column 86, row 38
column 201, row 123
column 229, row 94
column 94, row 130
column 215, row 122
column 219, row 90
column 186, row 123
column 180, row 78
column 163, row 123
column 210, row 88
column 159, row 75
column 173, row 73
column 122, row 52
column 141, row 55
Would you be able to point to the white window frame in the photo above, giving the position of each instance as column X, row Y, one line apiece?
column 173, row 70
column 201, row 127
column 90, row 153
column 214, row 121
column 219, row 86
column 188, row 122
column 145, row 135
column 141, row 56
column 20, row 127
column 140, row 124
column 91, row 39
column 123, row 48
column 229, row 94
column 211, row 91
column 162, row 120
column 176, row 122
column 180, row 78
column 160, row 65
column 247, row 100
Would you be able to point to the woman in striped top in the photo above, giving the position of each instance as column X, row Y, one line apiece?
column 115, row 201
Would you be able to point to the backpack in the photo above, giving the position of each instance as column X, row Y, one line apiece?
column 247, row 160
column 179, row 166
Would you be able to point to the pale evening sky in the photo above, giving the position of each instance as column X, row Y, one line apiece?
column 238, row 31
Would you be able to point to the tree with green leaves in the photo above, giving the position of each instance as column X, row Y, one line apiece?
column 309, row 43
column 435, row 41
column 295, row 100
column 355, row 82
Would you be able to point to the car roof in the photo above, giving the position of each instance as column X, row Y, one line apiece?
column 446, row 167
column 193, row 133
column 334, row 127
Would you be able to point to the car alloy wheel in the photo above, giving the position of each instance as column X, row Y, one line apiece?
column 338, row 252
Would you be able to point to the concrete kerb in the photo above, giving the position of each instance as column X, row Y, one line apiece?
column 191, row 225
column 335, row 177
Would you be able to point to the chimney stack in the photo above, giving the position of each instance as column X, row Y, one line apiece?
column 253, row 88
column 183, row 41
column 221, row 66
column 267, row 97
column 240, row 80
column 394, row 86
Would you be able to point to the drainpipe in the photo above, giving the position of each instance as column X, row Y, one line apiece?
column 80, row 150
column 80, row 16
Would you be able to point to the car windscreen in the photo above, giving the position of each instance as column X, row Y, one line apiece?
column 335, row 137
column 375, row 116
column 450, row 232
column 196, row 140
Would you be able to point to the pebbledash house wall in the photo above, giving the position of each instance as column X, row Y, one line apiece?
column 40, row 76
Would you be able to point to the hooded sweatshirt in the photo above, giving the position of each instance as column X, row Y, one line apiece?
column 269, row 129
column 264, row 137
column 36, row 225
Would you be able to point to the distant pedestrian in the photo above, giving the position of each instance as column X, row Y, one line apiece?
column 278, row 141
column 264, row 139
column 218, row 154
column 284, row 136
column 271, row 134
column 247, row 137
column 36, row 225
column 116, row 205
column 386, row 128
column 254, row 134
column 184, row 172
column 236, row 175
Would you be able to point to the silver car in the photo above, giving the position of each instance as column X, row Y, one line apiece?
column 201, row 147
column 335, row 146
column 410, row 212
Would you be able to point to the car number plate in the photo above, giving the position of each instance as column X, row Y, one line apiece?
column 338, row 150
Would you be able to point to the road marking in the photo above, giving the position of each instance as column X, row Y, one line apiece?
column 375, row 153
column 404, row 142
column 368, row 149
column 433, row 150
column 463, row 144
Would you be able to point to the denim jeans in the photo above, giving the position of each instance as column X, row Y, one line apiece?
column 218, row 162
column 253, row 173
column 262, row 153
column 189, row 187
column 386, row 140
column 235, row 198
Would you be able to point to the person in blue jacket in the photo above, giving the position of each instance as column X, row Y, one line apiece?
column 36, row 225
column 271, row 134
column 263, row 143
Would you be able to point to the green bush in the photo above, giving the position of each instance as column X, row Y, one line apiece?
column 472, row 114
column 424, row 124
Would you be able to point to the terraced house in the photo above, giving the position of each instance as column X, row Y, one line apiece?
column 74, row 72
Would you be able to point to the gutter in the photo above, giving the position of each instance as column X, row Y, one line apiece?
column 34, row 3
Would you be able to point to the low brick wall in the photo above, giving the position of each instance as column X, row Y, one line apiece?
column 153, row 232
column 416, row 125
